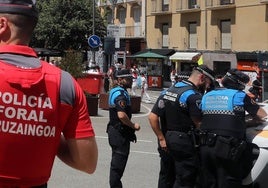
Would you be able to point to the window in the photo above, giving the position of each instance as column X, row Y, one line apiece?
column 137, row 14
column 226, row 38
column 122, row 15
column 165, row 6
column 165, row 38
column 109, row 16
column 221, row 67
column 192, row 35
column 226, row 2
column 191, row 4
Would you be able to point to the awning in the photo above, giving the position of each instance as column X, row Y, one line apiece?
column 149, row 54
column 183, row 56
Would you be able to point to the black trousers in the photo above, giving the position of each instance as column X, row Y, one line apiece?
column 185, row 157
column 167, row 170
column 223, row 173
column 120, row 152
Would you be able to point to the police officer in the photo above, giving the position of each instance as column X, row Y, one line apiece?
column 223, row 126
column 158, row 123
column 180, row 109
column 43, row 109
column 120, row 129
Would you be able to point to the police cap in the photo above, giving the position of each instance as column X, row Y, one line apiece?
column 23, row 7
column 124, row 73
column 235, row 79
column 206, row 71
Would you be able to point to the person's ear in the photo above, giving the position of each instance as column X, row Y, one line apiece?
column 202, row 77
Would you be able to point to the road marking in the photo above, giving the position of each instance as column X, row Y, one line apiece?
column 143, row 115
column 106, row 137
column 143, row 152
column 148, row 110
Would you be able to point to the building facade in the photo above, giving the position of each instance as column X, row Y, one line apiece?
column 125, row 23
column 227, row 33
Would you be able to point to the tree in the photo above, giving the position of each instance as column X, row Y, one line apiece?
column 66, row 24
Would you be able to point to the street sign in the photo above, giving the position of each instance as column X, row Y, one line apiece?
column 114, row 31
column 94, row 41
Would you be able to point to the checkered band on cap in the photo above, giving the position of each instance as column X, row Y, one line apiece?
column 206, row 71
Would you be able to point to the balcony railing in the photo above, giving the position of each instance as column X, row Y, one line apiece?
column 159, row 8
column 264, row 1
column 187, row 5
column 217, row 3
column 131, row 31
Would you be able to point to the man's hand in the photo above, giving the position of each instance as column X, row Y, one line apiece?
column 163, row 144
column 137, row 127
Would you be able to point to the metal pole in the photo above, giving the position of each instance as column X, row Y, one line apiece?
column 93, row 31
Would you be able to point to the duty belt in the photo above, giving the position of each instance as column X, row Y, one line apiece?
column 207, row 138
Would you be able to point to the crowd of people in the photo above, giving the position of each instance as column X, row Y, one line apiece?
column 200, row 126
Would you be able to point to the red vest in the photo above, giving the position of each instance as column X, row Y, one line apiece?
column 29, row 123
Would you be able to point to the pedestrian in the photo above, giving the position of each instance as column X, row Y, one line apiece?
column 224, row 151
column 120, row 129
column 43, row 109
column 180, row 106
column 158, row 123
column 173, row 74
column 111, row 73
column 144, row 89
column 135, row 74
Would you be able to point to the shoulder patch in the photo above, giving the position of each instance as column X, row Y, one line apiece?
column 161, row 104
column 122, row 103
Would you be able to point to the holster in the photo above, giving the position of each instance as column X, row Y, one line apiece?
column 208, row 139
column 126, row 131
column 229, row 148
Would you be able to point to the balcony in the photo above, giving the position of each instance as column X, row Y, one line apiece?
column 131, row 32
column 185, row 6
column 159, row 8
column 264, row 1
column 220, row 4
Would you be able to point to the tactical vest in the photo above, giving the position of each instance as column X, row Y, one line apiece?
column 176, row 113
column 223, row 112
column 29, row 99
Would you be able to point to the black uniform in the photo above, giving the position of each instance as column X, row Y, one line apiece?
column 181, row 103
column 223, row 139
column 119, row 135
column 167, row 166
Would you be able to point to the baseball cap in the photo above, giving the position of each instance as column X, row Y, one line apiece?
column 124, row 73
column 23, row 7
column 206, row 71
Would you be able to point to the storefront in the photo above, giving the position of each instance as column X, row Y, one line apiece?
column 263, row 66
column 247, row 62
column 184, row 61
column 152, row 64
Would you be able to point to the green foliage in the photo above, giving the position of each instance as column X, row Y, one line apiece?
column 72, row 63
column 66, row 24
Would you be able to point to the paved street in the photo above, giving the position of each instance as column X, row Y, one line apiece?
column 143, row 164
